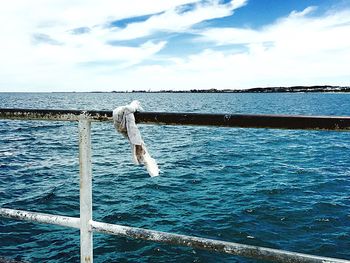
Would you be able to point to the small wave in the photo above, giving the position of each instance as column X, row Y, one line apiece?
column 42, row 197
column 6, row 153
column 10, row 260
column 37, row 127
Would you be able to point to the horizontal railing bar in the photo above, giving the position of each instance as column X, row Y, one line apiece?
column 336, row 123
column 246, row 121
column 40, row 217
column 53, row 115
column 173, row 239
column 211, row 245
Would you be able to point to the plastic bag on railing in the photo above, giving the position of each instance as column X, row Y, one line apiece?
column 124, row 122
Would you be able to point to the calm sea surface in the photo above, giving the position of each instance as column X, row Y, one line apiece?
column 274, row 188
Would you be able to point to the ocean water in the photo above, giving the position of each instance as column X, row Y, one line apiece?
column 274, row 188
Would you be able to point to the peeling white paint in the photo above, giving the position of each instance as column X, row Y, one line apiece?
column 86, row 245
column 210, row 244
column 40, row 217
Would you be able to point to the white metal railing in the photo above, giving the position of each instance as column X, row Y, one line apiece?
column 87, row 225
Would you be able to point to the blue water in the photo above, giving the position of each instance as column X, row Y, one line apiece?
column 275, row 188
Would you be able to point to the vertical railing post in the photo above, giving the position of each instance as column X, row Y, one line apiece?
column 86, row 245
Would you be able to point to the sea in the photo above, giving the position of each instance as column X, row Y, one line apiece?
column 282, row 189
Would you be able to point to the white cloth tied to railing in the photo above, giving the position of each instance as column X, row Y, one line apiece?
column 124, row 122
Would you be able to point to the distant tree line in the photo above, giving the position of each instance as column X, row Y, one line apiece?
column 324, row 88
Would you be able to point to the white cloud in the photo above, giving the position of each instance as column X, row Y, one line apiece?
column 78, row 13
column 298, row 33
column 39, row 52
column 305, row 12
column 296, row 50
column 174, row 20
column 38, row 44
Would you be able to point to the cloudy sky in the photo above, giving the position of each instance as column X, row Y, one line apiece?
column 85, row 45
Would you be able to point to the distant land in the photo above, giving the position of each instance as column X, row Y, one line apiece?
column 293, row 89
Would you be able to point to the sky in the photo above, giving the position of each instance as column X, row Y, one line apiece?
column 106, row 45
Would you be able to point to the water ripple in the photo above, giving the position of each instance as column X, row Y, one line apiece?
column 274, row 188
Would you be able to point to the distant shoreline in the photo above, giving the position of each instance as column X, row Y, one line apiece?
column 293, row 89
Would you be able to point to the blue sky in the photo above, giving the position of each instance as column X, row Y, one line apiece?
column 106, row 45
